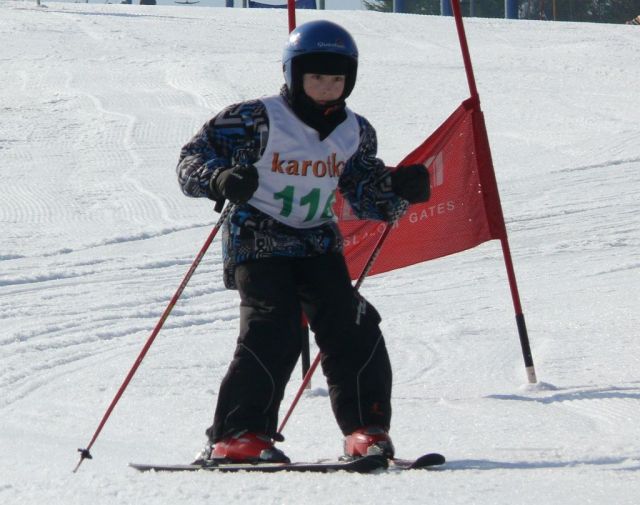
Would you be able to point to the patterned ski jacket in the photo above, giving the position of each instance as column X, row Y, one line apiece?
column 240, row 133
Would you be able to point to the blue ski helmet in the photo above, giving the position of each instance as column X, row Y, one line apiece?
column 320, row 47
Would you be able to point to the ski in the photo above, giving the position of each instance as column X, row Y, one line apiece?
column 365, row 464
column 362, row 465
column 428, row 460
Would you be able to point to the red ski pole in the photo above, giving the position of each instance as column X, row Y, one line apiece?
column 84, row 453
column 316, row 361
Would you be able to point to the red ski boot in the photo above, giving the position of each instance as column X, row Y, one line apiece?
column 247, row 446
column 368, row 441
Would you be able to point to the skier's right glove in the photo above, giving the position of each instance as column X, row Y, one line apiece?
column 236, row 184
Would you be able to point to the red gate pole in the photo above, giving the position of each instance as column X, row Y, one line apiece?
column 483, row 146
column 304, row 325
column 292, row 14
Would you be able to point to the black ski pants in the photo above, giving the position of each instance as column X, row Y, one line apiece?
column 354, row 356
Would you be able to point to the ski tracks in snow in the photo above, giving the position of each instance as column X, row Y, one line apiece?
column 90, row 308
column 101, row 293
column 608, row 414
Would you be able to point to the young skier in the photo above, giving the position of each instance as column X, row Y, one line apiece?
column 279, row 160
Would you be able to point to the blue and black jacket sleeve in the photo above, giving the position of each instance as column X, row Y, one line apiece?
column 366, row 182
column 216, row 146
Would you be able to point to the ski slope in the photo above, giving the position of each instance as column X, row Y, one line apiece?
column 95, row 104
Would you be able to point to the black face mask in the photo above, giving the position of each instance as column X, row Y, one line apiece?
column 322, row 118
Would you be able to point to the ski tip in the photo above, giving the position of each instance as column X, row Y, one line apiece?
column 425, row 461
column 431, row 459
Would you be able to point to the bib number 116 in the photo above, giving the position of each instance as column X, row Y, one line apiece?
column 310, row 200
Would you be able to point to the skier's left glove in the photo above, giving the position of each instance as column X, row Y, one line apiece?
column 411, row 182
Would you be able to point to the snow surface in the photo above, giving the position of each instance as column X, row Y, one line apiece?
column 96, row 101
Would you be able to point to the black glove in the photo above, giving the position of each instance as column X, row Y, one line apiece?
column 411, row 182
column 237, row 184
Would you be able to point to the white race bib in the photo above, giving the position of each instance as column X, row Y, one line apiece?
column 298, row 173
